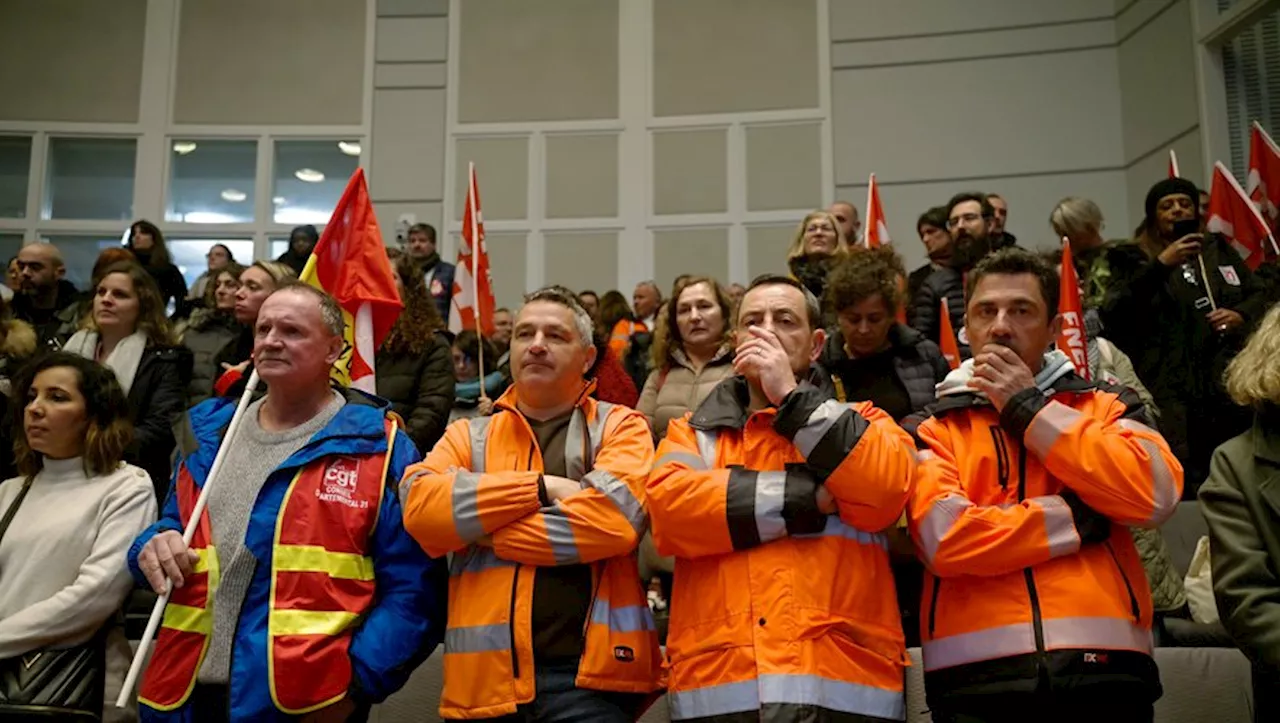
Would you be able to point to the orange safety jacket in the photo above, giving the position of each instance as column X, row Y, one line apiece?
column 322, row 582
column 476, row 496
column 620, row 336
column 1014, row 599
column 778, row 608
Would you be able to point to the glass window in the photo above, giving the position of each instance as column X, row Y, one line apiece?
column 190, row 255
column 80, row 253
column 90, row 178
column 212, row 181
column 310, row 177
column 15, row 169
column 278, row 247
column 1249, row 67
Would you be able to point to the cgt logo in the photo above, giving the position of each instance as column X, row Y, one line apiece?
column 1097, row 658
column 342, row 472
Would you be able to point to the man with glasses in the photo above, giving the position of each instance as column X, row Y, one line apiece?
column 971, row 223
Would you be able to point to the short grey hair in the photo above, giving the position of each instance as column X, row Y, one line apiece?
column 330, row 311
column 566, row 298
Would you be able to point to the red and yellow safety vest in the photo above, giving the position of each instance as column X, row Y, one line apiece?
column 321, row 583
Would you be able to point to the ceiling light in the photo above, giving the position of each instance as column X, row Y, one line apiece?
column 182, row 148
column 278, row 200
column 233, row 195
column 308, row 175
column 351, row 148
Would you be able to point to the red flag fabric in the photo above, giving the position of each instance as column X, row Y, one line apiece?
column 350, row 264
column 1233, row 215
column 473, row 302
column 1071, row 337
column 877, row 230
column 947, row 337
column 1263, row 183
column 1173, row 164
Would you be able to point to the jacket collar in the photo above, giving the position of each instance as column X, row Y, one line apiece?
column 509, row 401
column 903, row 341
column 728, row 403
column 1266, row 446
column 1056, row 375
column 356, row 429
column 723, row 354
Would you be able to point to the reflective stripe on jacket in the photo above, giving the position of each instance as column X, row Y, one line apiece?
column 777, row 607
column 1012, row 595
column 480, row 485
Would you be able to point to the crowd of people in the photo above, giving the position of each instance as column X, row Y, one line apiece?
column 750, row 498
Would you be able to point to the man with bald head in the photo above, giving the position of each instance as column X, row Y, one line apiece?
column 846, row 215
column 44, row 299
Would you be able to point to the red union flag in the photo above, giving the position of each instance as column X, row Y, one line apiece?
column 350, row 263
column 1263, row 184
column 877, row 230
column 1071, row 337
column 1233, row 215
column 473, row 302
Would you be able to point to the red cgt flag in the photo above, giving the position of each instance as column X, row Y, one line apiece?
column 1071, row 337
column 947, row 337
column 350, row 263
column 473, row 302
column 877, row 230
column 1233, row 215
column 1263, row 183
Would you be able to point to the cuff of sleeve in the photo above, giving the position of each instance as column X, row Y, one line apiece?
column 795, row 409
column 1020, row 410
column 800, row 504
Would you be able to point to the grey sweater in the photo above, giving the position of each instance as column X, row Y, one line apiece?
column 63, row 567
column 253, row 455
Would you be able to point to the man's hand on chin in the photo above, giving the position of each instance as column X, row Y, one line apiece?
column 763, row 360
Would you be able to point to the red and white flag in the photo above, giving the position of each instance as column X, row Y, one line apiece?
column 877, row 230
column 1173, row 164
column 1072, row 340
column 1233, row 215
column 1263, row 184
column 473, row 302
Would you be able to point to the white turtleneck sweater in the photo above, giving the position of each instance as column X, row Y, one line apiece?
column 63, row 561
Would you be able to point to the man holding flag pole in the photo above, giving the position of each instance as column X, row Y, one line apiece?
column 295, row 592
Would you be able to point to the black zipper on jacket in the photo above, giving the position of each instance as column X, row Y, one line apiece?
column 933, row 604
column 1002, row 456
column 1037, row 621
column 515, row 587
column 1133, row 599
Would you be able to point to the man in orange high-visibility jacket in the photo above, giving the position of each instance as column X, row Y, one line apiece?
column 542, row 506
column 772, row 497
column 1035, row 604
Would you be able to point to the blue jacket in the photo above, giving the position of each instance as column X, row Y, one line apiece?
column 408, row 618
column 439, row 280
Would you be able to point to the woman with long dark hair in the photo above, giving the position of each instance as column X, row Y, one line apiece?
column 73, row 511
column 128, row 332
column 149, row 247
column 415, row 367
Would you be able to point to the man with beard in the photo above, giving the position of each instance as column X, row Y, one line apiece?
column 421, row 247
column 44, row 297
column 970, row 220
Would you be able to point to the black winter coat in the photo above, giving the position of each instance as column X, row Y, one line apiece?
column 917, row 361
column 420, row 389
column 1156, row 316
column 208, row 338
column 157, row 400
column 926, row 306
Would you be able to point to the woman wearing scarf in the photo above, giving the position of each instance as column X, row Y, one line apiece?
column 127, row 332
column 816, row 247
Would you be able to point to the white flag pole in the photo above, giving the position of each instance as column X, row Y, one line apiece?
column 866, row 214
column 475, row 266
column 1173, row 163
column 157, row 612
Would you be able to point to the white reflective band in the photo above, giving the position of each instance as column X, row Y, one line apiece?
column 706, row 446
column 1059, row 526
column 937, row 522
column 771, row 489
column 817, row 425
column 1020, row 639
column 1050, row 423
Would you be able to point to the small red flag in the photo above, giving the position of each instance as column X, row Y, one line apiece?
column 1233, row 215
column 350, row 263
column 1263, row 183
column 947, row 337
column 1071, row 337
column 473, row 302
column 877, row 230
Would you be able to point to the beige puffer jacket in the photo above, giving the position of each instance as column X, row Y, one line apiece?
column 668, row 395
